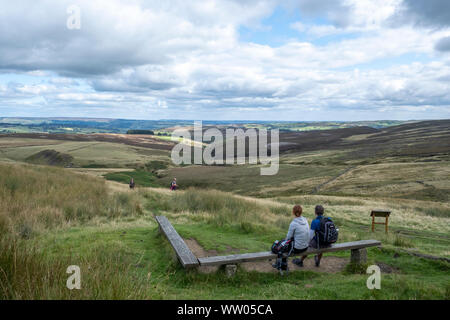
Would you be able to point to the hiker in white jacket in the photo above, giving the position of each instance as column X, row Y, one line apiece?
column 299, row 230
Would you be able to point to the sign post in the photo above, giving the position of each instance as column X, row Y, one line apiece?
column 380, row 213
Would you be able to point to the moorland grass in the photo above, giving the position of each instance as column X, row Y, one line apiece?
column 144, row 266
column 112, row 236
column 35, row 198
column 247, row 180
column 26, row 272
column 221, row 209
column 142, row 178
column 92, row 153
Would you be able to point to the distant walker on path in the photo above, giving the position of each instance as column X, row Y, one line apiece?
column 132, row 183
column 173, row 184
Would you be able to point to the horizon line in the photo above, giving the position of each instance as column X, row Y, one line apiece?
column 209, row 120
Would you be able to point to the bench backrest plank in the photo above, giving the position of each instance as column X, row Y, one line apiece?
column 266, row 255
column 184, row 254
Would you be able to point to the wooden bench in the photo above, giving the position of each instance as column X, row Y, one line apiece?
column 184, row 254
column 358, row 253
column 189, row 260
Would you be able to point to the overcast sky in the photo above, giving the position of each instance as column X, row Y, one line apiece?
column 226, row 60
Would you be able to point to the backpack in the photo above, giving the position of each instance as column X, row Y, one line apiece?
column 283, row 249
column 328, row 233
column 282, row 246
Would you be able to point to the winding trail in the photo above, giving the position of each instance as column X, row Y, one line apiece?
column 318, row 187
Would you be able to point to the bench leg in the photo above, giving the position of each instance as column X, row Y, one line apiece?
column 230, row 270
column 358, row 256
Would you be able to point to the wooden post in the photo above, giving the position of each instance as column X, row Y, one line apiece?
column 373, row 223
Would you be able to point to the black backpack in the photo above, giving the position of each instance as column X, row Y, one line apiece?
column 283, row 249
column 283, row 246
column 328, row 233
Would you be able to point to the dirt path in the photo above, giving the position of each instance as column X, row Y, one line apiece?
column 83, row 147
column 115, row 186
column 317, row 188
column 328, row 264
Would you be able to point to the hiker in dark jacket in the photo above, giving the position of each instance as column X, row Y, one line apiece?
column 173, row 184
column 315, row 228
column 132, row 183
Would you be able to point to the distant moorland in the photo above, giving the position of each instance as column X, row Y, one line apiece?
column 85, row 125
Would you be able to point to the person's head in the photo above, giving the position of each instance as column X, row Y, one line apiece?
column 319, row 210
column 174, row 179
column 297, row 210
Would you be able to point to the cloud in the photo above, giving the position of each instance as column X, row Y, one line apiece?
column 141, row 59
column 139, row 79
column 116, row 34
column 428, row 13
column 443, row 44
column 337, row 12
column 359, row 16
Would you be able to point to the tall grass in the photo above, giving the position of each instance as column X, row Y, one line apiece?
column 223, row 210
column 36, row 198
column 435, row 212
column 26, row 273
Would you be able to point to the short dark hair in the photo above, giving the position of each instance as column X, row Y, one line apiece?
column 319, row 210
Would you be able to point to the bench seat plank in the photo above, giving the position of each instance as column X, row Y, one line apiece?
column 266, row 255
column 184, row 254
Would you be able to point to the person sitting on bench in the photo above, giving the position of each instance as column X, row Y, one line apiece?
column 299, row 230
column 315, row 228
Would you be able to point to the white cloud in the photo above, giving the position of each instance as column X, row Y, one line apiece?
column 143, row 59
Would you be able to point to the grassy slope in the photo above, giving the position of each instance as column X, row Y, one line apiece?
column 105, row 154
column 122, row 256
column 411, row 180
column 408, row 161
column 70, row 219
column 247, row 179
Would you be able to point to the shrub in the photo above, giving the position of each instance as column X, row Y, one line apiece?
column 402, row 242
